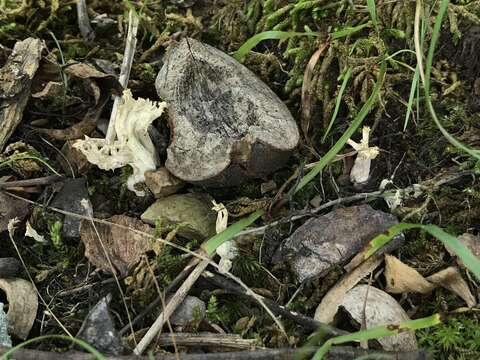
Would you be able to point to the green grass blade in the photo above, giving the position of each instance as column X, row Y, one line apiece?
column 338, row 101
column 240, row 54
column 349, row 30
column 378, row 332
column 348, row 133
column 372, row 9
column 411, row 97
column 428, row 69
column 464, row 254
column 78, row 342
column 213, row 243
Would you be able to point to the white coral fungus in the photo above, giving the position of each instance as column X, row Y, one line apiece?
column 133, row 145
column 228, row 250
column 361, row 168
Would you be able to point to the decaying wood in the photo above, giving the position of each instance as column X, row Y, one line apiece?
column 232, row 341
column 84, row 22
column 227, row 126
column 15, row 84
column 336, row 353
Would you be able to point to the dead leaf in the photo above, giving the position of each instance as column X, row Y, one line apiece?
column 402, row 278
column 123, row 247
column 452, row 280
column 330, row 303
column 307, row 91
column 23, row 304
column 380, row 309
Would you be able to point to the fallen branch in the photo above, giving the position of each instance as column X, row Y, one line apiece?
column 47, row 180
column 172, row 305
column 336, row 353
column 217, row 341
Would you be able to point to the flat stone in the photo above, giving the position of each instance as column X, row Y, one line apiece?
column 226, row 125
column 332, row 239
column 191, row 309
column 191, row 212
column 69, row 199
column 161, row 183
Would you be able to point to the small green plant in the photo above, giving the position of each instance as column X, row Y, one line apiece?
column 456, row 339
column 55, row 229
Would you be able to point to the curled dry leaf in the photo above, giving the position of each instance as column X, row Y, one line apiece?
column 402, row 278
column 380, row 309
column 307, row 91
column 330, row 303
column 122, row 247
column 22, row 305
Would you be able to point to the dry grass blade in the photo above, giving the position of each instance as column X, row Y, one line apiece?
column 307, row 92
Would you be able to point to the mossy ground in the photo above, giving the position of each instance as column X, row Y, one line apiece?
column 413, row 154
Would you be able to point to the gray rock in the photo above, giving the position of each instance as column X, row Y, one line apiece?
column 98, row 330
column 10, row 267
column 227, row 126
column 192, row 212
column 332, row 239
column 191, row 309
column 161, row 183
column 69, row 199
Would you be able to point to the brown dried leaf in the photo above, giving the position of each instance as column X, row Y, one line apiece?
column 452, row 280
column 11, row 208
column 307, row 91
column 327, row 309
column 123, row 247
column 402, row 278
column 22, row 305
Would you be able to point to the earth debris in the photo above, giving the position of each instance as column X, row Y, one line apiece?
column 167, row 203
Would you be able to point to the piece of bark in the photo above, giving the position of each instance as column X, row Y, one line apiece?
column 335, row 353
column 227, row 126
column 161, row 183
column 15, row 84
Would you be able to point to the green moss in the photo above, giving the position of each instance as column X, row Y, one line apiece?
column 457, row 339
